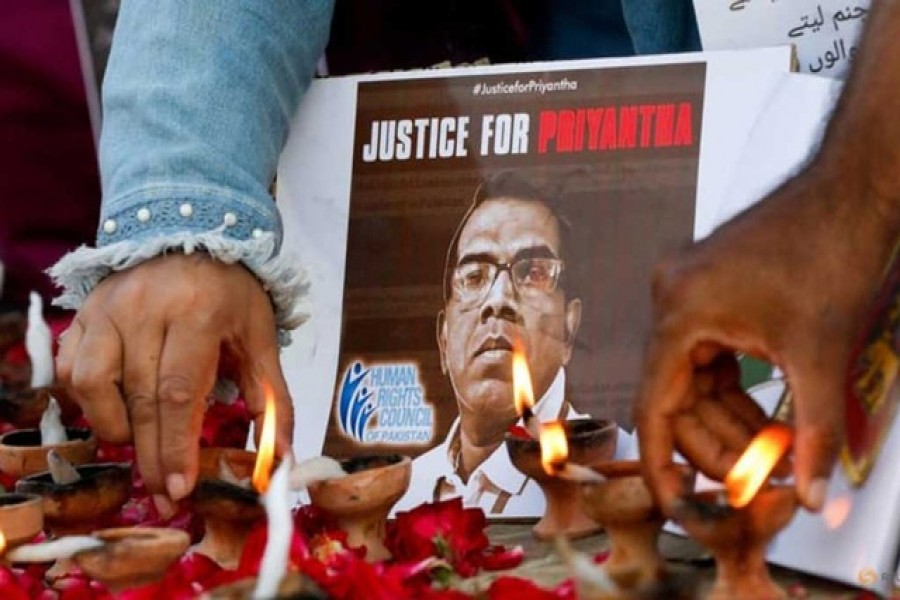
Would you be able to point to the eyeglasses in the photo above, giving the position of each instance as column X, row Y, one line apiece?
column 531, row 277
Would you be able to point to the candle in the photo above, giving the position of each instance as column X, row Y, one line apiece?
column 52, row 429
column 280, row 530
column 318, row 468
column 60, row 548
column 38, row 344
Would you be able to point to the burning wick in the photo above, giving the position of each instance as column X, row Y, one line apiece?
column 523, row 392
column 755, row 465
column 555, row 455
column 266, row 454
column 280, row 530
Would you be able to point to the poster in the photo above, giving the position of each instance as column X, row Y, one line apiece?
column 825, row 32
column 558, row 185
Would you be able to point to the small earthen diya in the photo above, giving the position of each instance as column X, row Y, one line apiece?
column 556, row 463
column 738, row 537
column 625, row 508
column 22, row 453
column 132, row 556
column 25, row 387
column 227, row 501
column 23, row 407
column 362, row 499
column 737, row 523
column 21, row 518
column 294, row 585
column 83, row 499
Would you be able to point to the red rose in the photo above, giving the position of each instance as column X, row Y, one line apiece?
column 442, row 529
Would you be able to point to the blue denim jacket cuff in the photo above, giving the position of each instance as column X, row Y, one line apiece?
column 147, row 224
column 157, row 210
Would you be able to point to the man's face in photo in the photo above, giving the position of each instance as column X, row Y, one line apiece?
column 505, row 287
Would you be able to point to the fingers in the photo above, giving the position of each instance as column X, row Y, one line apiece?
column 187, row 372
column 69, row 341
column 663, row 392
column 140, row 370
column 268, row 370
column 95, row 373
column 818, row 420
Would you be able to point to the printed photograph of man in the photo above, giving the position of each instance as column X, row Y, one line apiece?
column 506, row 278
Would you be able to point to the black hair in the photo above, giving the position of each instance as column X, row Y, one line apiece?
column 519, row 184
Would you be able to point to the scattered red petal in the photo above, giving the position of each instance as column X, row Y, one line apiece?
column 498, row 558
column 506, row 588
column 517, row 431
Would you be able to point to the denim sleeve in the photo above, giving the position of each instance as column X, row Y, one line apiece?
column 197, row 100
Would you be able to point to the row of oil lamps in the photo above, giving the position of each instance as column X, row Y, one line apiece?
column 61, row 489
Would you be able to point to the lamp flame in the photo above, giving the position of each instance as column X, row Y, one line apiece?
column 2, row 542
column 265, row 455
column 554, row 447
column 752, row 469
column 523, row 393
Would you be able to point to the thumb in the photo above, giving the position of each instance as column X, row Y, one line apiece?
column 819, row 424
column 262, row 382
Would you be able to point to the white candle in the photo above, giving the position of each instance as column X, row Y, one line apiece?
column 59, row 548
column 318, row 468
column 280, row 531
column 52, row 429
column 39, row 344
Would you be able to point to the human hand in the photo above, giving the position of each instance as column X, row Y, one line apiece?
column 789, row 281
column 144, row 350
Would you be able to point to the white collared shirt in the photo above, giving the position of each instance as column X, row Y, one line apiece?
column 495, row 485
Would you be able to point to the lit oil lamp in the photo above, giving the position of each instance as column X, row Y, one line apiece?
column 274, row 579
column 362, row 498
column 554, row 455
column 228, row 489
column 21, row 518
column 738, row 523
column 24, row 451
column 556, row 463
column 625, row 508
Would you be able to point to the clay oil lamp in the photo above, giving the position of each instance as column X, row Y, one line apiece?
column 25, row 390
column 78, row 498
column 626, row 509
column 132, row 556
column 120, row 558
column 361, row 499
column 274, row 580
column 21, row 518
column 24, row 451
column 293, row 586
column 737, row 523
column 227, row 495
column 554, row 455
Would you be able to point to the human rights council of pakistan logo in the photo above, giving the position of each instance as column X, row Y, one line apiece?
column 384, row 404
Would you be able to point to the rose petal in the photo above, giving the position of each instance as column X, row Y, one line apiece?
column 498, row 558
